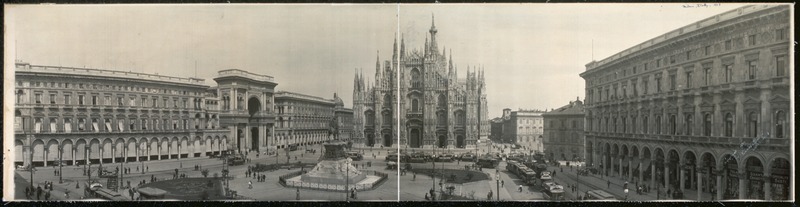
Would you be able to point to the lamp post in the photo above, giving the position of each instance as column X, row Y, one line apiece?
column 497, row 179
column 60, row 163
column 32, row 167
column 347, row 180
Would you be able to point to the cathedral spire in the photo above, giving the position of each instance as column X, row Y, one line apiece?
column 402, row 46
column 378, row 74
column 394, row 50
column 433, row 47
column 450, row 66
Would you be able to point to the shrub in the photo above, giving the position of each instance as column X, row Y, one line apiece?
column 204, row 172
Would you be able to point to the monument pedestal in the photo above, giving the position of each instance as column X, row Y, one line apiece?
column 333, row 172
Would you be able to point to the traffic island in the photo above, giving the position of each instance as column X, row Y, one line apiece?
column 334, row 172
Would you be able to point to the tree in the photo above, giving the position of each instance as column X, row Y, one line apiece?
column 204, row 172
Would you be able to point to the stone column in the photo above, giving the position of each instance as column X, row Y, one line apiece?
column 767, row 188
column 158, row 149
column 72, row 151
column 699, row 186
column 719, row 185
column 620, row 168
column 742, row 185
column 666, row 176
column 101, row 154
column 179, row 149
column 611, row 165
column 113, row 153
column 653, row 173
column 641, row 172
column 766, row 114
column 682, row 178
column 45, row 151
column 630, row 170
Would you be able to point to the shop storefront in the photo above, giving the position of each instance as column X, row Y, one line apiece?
column 780, row 183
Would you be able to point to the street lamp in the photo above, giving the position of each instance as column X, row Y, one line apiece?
column 347, row 180
column 497, row 178
column 60, row 163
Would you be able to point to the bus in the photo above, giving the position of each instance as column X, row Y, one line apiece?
column 553, row 191
column 599, row 195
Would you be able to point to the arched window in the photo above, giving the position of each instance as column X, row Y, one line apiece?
column 689, row 123
column 624, row 125
column 387, row 101
column 414, row 105
column 633, row 124
column 673, row 124
column 415, row 78
column 387, row 118
column 707, row 125
column 615, row 124
column 729, row 125
column 780, row 124
column 752, row 124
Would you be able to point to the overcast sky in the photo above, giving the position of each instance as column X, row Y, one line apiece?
column 532, row 53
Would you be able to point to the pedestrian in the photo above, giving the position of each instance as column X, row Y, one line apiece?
column 250, row 184
column 502, row 183
column 426, row 196
column 298, row 194
column 66, row 195
column 414, row 178
column 608, row 183
column 47, row 195
column 38, row 192
column 519, row 188
column 148, row 168
column 27, row 192
column 489, row 196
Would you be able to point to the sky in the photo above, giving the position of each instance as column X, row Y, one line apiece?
column 532, row 53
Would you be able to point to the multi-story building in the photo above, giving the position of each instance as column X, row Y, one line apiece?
column 344, row 119
column 97, row 116
column 704, row 108
column 436, row 108
column 563, row 132
column 521, row 127
column 303, row 119
column 81, row 115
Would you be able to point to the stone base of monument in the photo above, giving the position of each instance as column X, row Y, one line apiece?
column 333, row 172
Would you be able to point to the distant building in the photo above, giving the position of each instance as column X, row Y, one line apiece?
column 522, row 127
column 563, row 132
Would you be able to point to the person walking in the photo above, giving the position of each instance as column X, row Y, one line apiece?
column 608, row 183
column 47, row 195
column 414, row 178
column 298, row 194
column 38, row 192
column 250, row 184
column 519, row 188
column 502, row 183
column 489, row 196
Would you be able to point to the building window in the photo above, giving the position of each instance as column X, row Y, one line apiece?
column 81, row 124
column 633, row 124
column 751, row 39
column 37, row 125
column 80, row 100
column 779, row 34
column 658, row 125
column 645, row 127
column 67, row 125
column 689, row 79
column 728, row 73
column 52, row 98
column 728, row 45
column 671, row 59
column 707, row 125
column 729, row 125
column 752, row 69
column 689, row 123
column 624, row 125
column 131, row 126
column 144, row 124
column 645, row 85
column 95, row 126
column 658, row 63
column 672, row 82
column 658, row 84
column 707, row 50
column 108, row 125
column 53, row 125
column 37, row 98
column 673, row 125
column 780, row 65
column 707, row 76
column 780, row 124
column 67, row 100
column 688, row 55
column 132, row 101
column 119, row 101
column 752, row 124
column 94, row 100
column 414, row 105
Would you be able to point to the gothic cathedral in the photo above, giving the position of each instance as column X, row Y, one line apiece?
column 436, row 109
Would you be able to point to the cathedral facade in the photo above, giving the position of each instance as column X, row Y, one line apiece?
column 430, row 107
